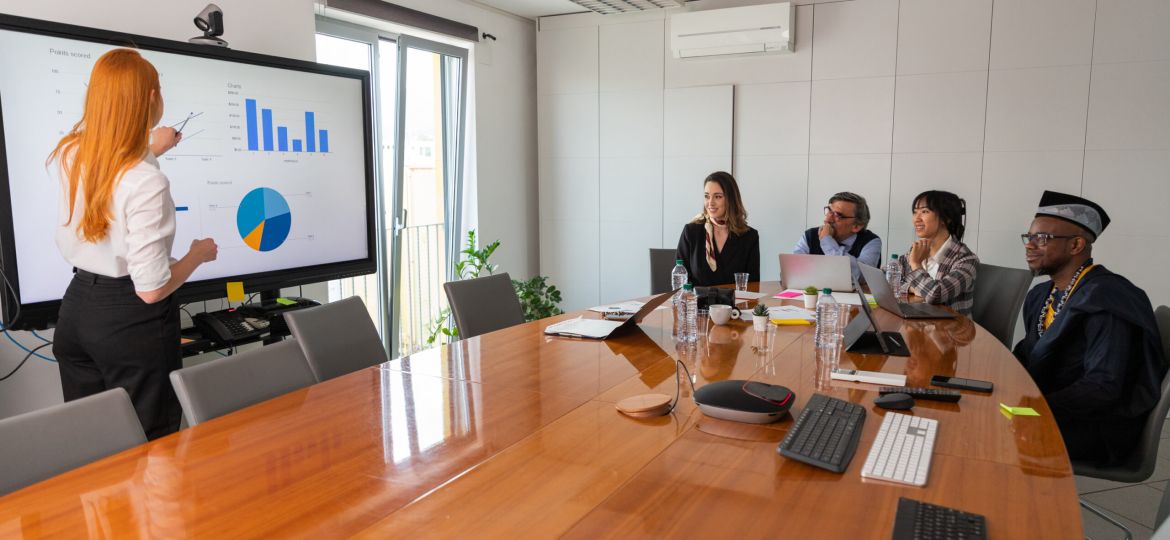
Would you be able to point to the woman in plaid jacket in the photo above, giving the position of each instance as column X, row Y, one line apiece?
column 940, row 267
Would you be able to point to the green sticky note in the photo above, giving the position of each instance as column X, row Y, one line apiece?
column 235, row 291
column 1019, row 411
column 285, row 302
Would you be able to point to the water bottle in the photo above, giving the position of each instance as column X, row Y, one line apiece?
column 894, row 274
column 678, row 277
column 828, row 334
column 688, row 311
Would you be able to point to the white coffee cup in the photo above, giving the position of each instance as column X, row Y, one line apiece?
column 721, row 313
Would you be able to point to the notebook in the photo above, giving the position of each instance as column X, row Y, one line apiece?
column 602, row 329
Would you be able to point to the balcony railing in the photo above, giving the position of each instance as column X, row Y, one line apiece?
column 423, row 271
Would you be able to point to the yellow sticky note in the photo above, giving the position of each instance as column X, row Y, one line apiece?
column 1019, row 411
column 235, row 291
column 791, row 322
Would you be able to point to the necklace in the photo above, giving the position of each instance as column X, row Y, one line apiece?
column 1063, row 299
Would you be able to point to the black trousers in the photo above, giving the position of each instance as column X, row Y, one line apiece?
column 108, row 337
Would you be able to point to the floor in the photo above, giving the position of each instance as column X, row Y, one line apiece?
column 1136, row 505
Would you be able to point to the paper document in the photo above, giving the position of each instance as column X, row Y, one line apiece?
column 790, row 313
column 587, row 328
column 853, row 299
column 631, row 306
column 748, row 295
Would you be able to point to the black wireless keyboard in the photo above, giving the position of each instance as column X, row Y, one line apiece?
column 917, row 520
column 826, row 433
column 917, row 392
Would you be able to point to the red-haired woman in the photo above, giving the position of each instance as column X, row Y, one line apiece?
column 118, row 325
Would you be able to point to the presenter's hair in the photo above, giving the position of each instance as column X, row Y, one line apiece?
column 111, row 137
column 951, row 210
column 736, row 215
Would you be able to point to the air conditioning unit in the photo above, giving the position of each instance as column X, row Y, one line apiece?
column 762, row 29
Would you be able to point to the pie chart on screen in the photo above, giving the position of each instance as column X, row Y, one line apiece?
column 263, row 219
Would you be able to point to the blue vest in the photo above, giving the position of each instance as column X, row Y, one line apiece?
column 814, row 242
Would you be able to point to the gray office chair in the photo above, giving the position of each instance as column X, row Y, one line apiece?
column 1161, row 529
column 483, row 305
column 228, row 384
column 337, row 338
column 42, row 444
column 1145, row 456
column 661, row 262
column 999, row 296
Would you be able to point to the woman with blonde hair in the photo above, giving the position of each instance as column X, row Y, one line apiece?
column 718, row 243
column 119, row 325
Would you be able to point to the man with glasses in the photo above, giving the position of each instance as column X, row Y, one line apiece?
column 1092, row 342
column 843, row 233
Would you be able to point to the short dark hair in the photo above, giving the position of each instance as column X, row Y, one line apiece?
column 861, row 217
column 951, row 210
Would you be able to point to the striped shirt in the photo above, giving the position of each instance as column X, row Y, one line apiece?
column 955, row 286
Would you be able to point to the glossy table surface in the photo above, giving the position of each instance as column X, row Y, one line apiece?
column 514, row 433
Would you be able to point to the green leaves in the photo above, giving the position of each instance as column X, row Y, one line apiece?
column 538, row 298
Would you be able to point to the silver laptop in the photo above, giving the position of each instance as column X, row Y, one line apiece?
column 798, row 271
column 884, row 294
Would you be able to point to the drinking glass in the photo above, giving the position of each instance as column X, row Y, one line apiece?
column 741, row 281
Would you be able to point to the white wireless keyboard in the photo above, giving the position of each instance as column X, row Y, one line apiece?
column 902, row 451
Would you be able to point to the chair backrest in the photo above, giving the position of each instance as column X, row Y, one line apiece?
column 42, row 444
column 1144, row 457
column 661, row 262
column 999, row 296
column 483, row 305
column 229, row 384
column 337, row 338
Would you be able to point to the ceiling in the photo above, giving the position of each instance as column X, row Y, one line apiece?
column 532, row 9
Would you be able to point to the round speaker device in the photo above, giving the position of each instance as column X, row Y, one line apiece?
column 745, row 401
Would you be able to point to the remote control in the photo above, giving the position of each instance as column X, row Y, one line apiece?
column 932, row 394
column 872, row 377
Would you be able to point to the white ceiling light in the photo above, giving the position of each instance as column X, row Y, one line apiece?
column 606, row 7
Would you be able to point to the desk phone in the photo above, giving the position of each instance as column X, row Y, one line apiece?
column 228, row 325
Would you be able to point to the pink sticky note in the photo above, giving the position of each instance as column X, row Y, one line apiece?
column 788, row 294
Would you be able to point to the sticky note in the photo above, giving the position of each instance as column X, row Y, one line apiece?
column 788, row 294
column 1019, row 411
column 285, row 302
column 791, row 322
column 235, row 291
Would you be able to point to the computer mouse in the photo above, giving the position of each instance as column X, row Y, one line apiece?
column 894, row 401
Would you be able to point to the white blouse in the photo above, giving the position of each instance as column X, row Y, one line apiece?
column 141, row 233
column 933, row 261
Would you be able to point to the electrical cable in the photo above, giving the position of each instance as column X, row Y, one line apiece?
column 26, row 349
column 40, row 337
column 25, row 359
column 678, row 384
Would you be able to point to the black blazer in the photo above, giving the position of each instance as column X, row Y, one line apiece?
column 741, row 253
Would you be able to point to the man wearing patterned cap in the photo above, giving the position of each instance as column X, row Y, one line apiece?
column 1092, row 343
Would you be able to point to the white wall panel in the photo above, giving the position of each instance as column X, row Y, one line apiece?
column 625, row 259
column 940, row 112
column 1132, row 31
column 566, row 60
column 1129, row 106
column 697, row 142
column 855, row 39
column 1037, row 109
column 772, row 119
column 570, row 258
column 914, row 173
column 631, row 189
column 631, row 124
column 796, row 66
column 943, row 36
column 1133, row 186
column 682, row 191
column 1142, row 259
column 774, row 191
column 1036, row 33
column 852, row 116
column 1013, row 182
column 568, row 125
column 573, row 192
column 631, row 56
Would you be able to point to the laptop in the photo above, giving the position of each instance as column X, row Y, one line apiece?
column 798, row 271
column 602, row 329
column 884, row 294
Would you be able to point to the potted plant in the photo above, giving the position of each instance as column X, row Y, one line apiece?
column 760, row 317
column 810, row 297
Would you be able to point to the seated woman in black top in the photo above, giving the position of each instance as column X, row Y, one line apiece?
column 718, row 242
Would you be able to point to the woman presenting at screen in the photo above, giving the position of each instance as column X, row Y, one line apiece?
column 119, row 325
column 718, row 243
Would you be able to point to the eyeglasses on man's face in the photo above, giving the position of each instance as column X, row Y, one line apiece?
column 836, row 215
column 1041, row 239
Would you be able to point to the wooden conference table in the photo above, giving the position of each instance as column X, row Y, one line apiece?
column 515, row 434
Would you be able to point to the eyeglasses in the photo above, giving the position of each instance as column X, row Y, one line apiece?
column 1041, row 239
column 830, row 212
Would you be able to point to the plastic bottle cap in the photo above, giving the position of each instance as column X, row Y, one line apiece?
column 688, row 286
column 827, row 290
column 893, row 255
column 678, row 261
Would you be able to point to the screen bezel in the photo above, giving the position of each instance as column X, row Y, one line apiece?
column 39, row 315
